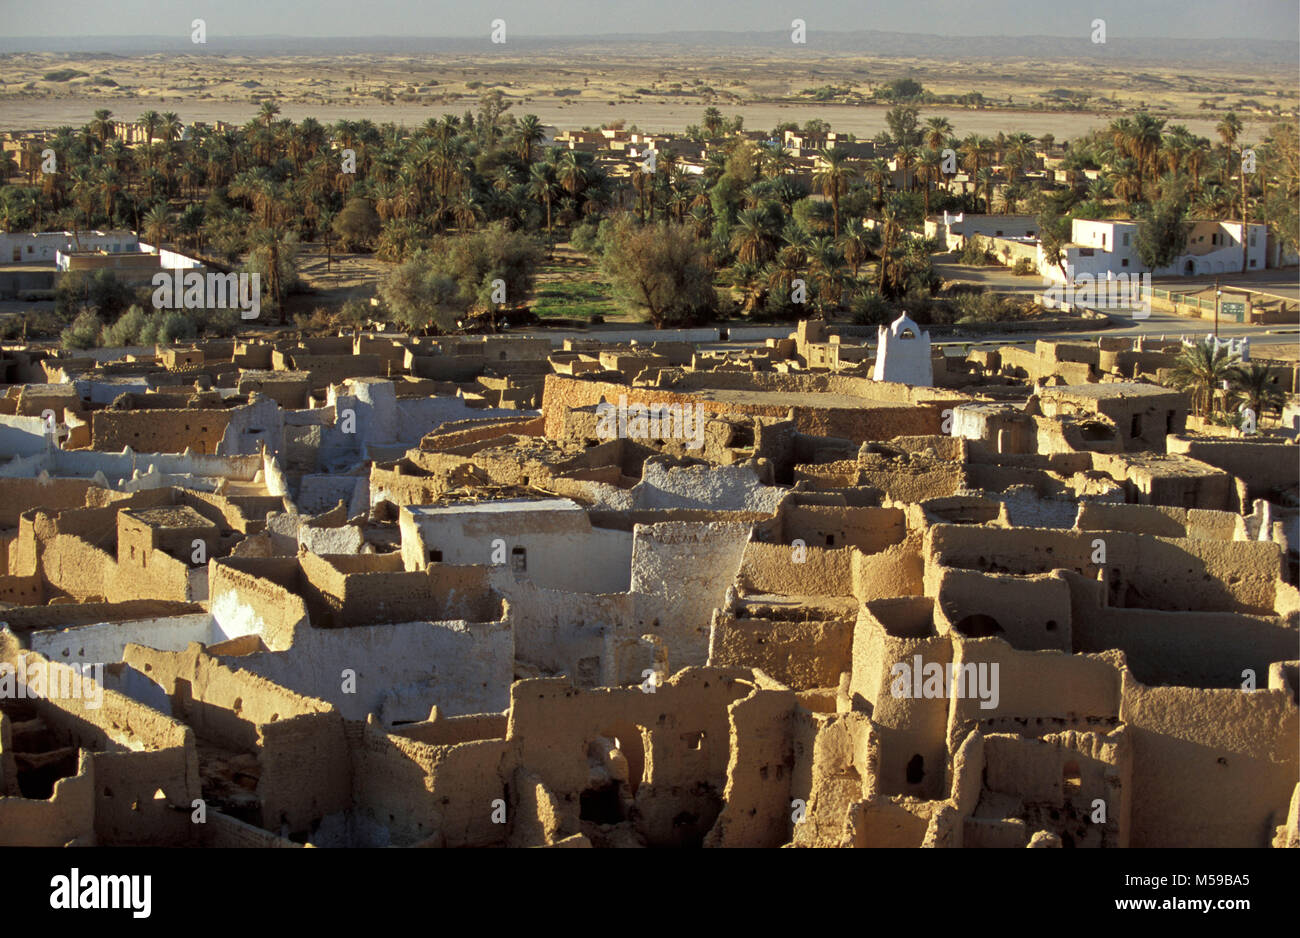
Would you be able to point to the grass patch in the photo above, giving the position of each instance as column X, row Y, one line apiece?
column 574, row 299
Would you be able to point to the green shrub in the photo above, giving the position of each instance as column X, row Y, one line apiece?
column 975, row 253
column 356, row 312
column 83, row 333
column 220, row 323
column 126, row 331
column 986, row 307
column 871, row 309
column 585, row 238
column 176, row 326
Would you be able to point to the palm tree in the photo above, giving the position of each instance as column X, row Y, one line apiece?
column 570, row 173
column 1012, row 193
column 8, row 167
column 891, row 227
column 907, row 157
column 1098, row 190
column 157, row 223
column 1144, row 143
column 1229, row 129
column 102, row 127
column 929, row 170
column 700, row 218
column 1126, row 179
column 271, row 242
column 825, row 261
column 84, row 194
column 267, row 112
column 984, row 180
column 713, row 121
column 541, row 186
column 1201, row 368
column 1215, row 201
column 149, row 120
column 857, row 242
column 466, row 210
column 776, row 158
column 833, row 175
column 752, row 237
column 170, row 126
column 1256, row 383
column 878, row 174
column 110, row 184
column 937, row 130
column 1020, row 151
column 529, row 131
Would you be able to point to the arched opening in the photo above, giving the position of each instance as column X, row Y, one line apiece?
column 631, row 742
column 1094, row 432
column 915, row 770
column 605, row 803
column 979, row 625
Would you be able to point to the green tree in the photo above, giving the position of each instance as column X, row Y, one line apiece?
column 357, row 226
column 420, row 296
column 1162, row 231
column 661, row 271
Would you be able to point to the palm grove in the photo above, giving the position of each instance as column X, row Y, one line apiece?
column 464, row 210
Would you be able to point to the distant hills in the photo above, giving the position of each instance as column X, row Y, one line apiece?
column 777, row 44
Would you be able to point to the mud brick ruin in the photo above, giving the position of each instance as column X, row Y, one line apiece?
column 382, row 591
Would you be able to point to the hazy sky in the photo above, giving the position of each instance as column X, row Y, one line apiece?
column 1204, row 19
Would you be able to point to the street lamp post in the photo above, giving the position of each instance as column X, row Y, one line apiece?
column 1217, row 294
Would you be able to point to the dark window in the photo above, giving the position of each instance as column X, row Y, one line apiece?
column 1071, row 779
column 519, row 560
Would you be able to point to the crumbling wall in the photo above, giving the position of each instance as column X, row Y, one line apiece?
column 680, row 734
column 1211, row 767
column 800, row 654
column 795, row 571
column 1191, row 649
column 301, row 751
column 757, row 797
column 680, row 574
column 1031, row 613
column 1141, row 571
column 137, row 752
column 66, row 818
column 399, row 672
column 411, row 793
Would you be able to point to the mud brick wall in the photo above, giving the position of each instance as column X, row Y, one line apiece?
column 158, row 431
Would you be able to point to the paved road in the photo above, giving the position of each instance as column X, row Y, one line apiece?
column 1159, row 325
column 1283, row 282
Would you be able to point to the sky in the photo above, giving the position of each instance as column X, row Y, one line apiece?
column 1182, row 19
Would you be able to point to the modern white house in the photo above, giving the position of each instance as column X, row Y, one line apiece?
column 42, row 247
column 1107, row 247
column 952, row 231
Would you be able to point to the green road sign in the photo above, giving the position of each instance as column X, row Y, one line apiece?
column 1234, row 311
